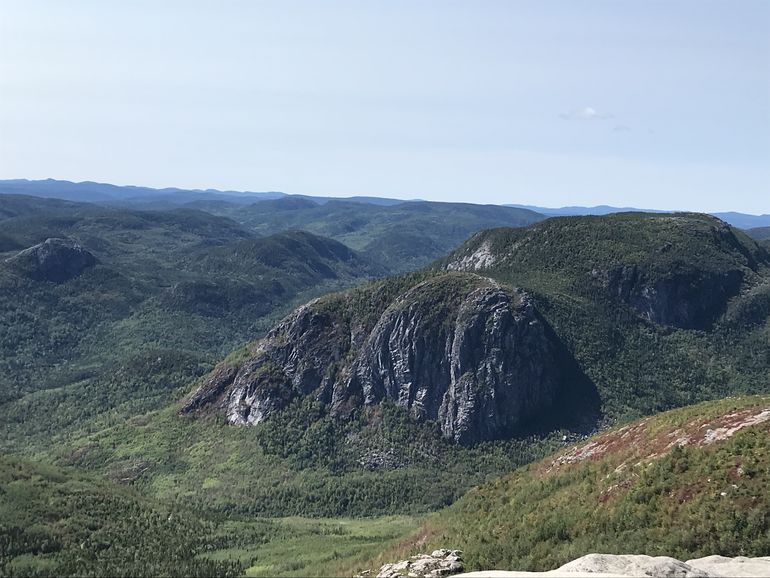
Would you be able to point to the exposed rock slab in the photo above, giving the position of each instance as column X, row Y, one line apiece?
column 637, row 565
column 737, row 567
column 689, row 300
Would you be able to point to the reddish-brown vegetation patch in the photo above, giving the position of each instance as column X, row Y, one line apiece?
column 636, row 443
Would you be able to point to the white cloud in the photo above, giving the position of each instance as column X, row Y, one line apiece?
column 585, row 113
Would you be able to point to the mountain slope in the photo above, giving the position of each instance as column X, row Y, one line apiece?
column 687, row 483
column 23, row 205
column 85, row 294
column 759, row 233
column 659, row 310
column 457, row 349
column 678, row 270
column 744, row 221
column 403, row 237
column 58, row 522
column 639, row 300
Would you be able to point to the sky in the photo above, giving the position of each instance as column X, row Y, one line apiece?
column 653, row 104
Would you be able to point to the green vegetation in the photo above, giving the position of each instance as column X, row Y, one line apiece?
column 313, row 547
column 641, row 367
column 759, row 233
column 56, row 522
column 171, row 292
column 90, row 370
column 636, row 490
column 301, row 463
column 59, row 522
column 402, row 237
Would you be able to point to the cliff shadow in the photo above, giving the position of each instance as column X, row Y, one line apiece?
column 576, row 407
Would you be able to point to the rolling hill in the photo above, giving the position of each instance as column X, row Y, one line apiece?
column 366, row 402
column 403, row 236
column 634, row 301
column 104, row 193
column 103, row 308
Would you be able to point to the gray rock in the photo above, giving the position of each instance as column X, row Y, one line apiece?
column 737, row 567
column 637, row 565
column 632, row 565
column 458, row 349
column 55, row 260
column 422, row 566
column 688, row 299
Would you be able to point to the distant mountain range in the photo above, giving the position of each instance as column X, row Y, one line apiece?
column 91, row 192
column 150, row 198
column 740, row 220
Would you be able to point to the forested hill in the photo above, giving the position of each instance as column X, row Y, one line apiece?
column 59, row 522
column 402, row 236
column 642, row 300
column 759, row 233
column 629, row 305
column 89, row 292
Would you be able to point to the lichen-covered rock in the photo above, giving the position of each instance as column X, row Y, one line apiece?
column 56, row 260
column 441, row 562
column 456, row 348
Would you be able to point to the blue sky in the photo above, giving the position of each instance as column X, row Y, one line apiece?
column 660, row 104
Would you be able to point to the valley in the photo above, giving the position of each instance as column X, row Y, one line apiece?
column 384, row 289
column 292, row 404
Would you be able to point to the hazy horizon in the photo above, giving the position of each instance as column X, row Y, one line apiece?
column 657, row 105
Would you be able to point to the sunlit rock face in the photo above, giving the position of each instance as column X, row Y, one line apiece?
column 458, row 349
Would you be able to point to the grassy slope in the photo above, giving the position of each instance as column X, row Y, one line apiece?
column 631, row 490
column 305, row 547
column 297, row 464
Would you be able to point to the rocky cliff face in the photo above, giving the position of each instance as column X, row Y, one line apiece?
column 459, row 349
column 689, row 300
column 56, row 260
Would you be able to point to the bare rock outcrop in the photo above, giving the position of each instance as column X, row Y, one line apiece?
column 639, row 565
column 55, row 260
column 459, row 349
column 438, row 563
column 689, row 300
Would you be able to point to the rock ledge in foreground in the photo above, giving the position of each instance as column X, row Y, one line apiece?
column 438, row 563
column 625, row 565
